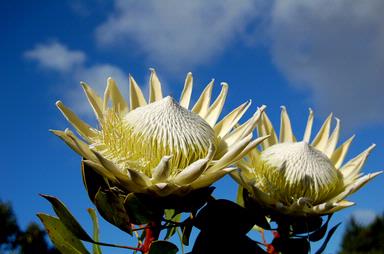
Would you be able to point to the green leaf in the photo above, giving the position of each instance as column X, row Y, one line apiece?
column 111, row 207
column 163, row 247
column 92, row 181
column 240, row 196
column 64, row 240
column 95, row 221
column 329, row 235
column 170, row 215
column 67, row 218
column 139, row 209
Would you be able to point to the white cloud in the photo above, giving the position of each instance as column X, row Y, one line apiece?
column 55, row 56
column 364, row 216
column 70, row 64
column 177, row 34
column 334, row 49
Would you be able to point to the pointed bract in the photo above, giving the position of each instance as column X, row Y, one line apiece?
column 160, row 147
column 299, row 178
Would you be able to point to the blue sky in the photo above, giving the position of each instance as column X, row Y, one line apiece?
column 325, row 55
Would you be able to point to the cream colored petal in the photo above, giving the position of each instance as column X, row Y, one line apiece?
column 321, row 139
column 308, row 128
column 136, row 97
column 341, row 205
column 215, row 110
column 161, row 186
column 330, row 207
column 363, row 180
column 209, row 178
column 264, row 128
column 127, row 181
column 202, row 104
column 338, row 156
column 286, row 134
column 323, row 208
column 109, row 165
column 95, row 100
column 231, row 155
column 194, row 170
column 82, row 128
column 163, row 189
column 162, row 170
column 353, row 167
column 334, row 138
column 230, row 120
column 300, row 204
column 155, row 92
column 83, row 147
column 112, row 92
column 355, row 186
column 139, row 178
column 187, row 91
column 244, row 129
column 253, row 156
column 131, row 182
column 68, row 141
column 100, row 169
column 251, row 146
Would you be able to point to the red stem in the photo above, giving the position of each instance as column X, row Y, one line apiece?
column 151, row 234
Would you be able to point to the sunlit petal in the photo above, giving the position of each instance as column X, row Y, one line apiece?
column 185, row 97
column 155, row 92
column 136, row 98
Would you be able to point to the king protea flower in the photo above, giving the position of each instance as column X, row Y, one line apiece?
column 302, row 177
column 160, row 146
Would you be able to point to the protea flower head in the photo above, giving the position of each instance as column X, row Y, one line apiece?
column 160, row 146
column 299, row 177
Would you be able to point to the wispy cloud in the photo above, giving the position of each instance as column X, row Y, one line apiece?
column 59, row 58
column 364, row 216
column 177, row 34
column 56, row 56
column 334, row 49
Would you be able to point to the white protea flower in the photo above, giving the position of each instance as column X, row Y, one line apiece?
column 299, row 177
column 160, row 146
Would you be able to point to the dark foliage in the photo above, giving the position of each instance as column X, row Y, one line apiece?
column 9, row 228
column 359, row 239
column 223, row 227
column 30, row 241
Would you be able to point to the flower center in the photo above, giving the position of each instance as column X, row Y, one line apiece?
column 140, row 138
column 289, row 171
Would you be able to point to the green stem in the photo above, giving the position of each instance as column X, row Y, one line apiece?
column 117, row 246
column 181, row 239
